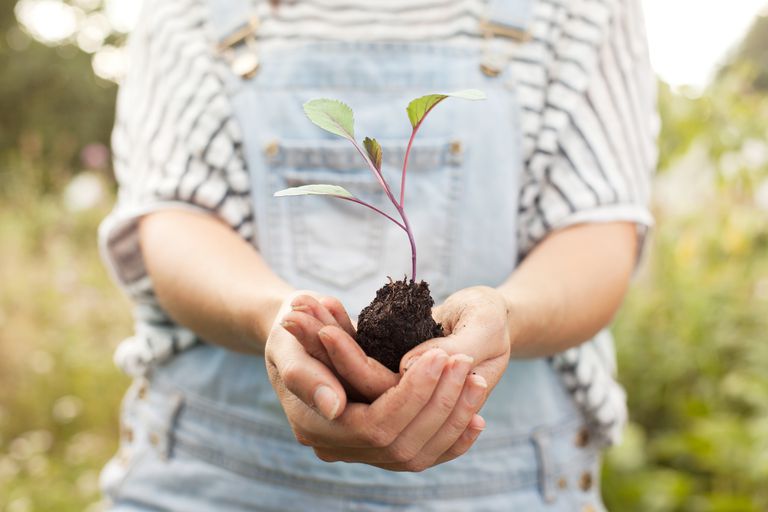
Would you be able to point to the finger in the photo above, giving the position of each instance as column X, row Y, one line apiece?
column 472, row 396
column 310, row 305
column 468, row 338
column 393, row 411
column 462, row 446
column 304, row 328
column 305, row 377
column 364, row 374
column 378, row 425
column 337, row 310
column 408, row 444
column 430, row 420
column 465, row 441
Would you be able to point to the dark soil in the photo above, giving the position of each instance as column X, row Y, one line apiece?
column 398, row 319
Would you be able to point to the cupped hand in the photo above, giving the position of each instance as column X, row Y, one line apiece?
column 421, row 419
column 475, row 322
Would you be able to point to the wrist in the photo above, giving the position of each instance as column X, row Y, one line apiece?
column 526, row 323
column 260, row 313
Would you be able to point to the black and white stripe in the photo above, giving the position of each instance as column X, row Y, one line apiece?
column 587, row 98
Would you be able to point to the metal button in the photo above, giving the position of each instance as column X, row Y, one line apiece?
column 142, row 391
column 128, row 434
column 245, row 64
column 489, row 70
column 582, row 438
column 585, row 482
column 271, row 149
column 154, row 439
column 455, row 147
column 562, row 483
column 240, row 49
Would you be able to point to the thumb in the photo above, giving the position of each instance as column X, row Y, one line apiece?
column 366, row 375
column 292, row 369
column 469, row 337
column 444, row 343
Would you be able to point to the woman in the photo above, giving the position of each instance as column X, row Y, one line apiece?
column 527, row 211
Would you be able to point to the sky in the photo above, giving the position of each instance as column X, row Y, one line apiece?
column 689, row 38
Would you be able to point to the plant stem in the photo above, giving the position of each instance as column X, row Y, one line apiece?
column 368, row 205
column 412, row 241
column 405, row 225
column 375, row 171
column 408, row 152
column 405, row 162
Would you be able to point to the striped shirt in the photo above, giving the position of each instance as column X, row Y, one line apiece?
column 587, row 97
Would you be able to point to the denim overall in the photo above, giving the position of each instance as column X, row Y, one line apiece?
column 206, row 431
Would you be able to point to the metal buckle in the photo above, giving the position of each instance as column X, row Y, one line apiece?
column 489, row 28
column 494, row 60
column 241, row 50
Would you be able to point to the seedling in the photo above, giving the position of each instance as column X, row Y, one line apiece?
column 338, row 118
column 379, row 334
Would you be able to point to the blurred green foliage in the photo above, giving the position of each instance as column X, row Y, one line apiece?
column 693, row 334
column 691, row 337
column 51, row 106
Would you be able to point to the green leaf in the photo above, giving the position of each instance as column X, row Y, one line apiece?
column 319, row 189
column 333, row 116
column 420, row 107
column 373, row 148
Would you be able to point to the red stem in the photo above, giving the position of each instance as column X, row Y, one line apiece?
column 405, row 162
column 411, row 240
column 367, row 205
column 408, row 152
column 405, row 225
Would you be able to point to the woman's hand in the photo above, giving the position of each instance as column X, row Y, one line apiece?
column 475, row 321
column 325, row 330
column 424, row 418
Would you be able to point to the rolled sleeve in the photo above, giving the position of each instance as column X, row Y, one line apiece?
column 176, row 143
column 594, row 155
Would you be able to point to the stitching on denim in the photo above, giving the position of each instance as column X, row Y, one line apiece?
column 198, row 409
column 389, row 494
column 312, row 266
column 541, row 444
column 203, row 409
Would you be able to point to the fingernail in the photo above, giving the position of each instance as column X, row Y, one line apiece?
column 323, row 335
column 476, row 390
column 326, row 401
column 300, row 307
column 287, row 324
column 437, row 365
column 477, row 423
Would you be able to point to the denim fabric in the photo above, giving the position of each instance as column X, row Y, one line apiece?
column 184, row 451
column 206, row 431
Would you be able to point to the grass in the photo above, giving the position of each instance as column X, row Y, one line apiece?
column 60, row 319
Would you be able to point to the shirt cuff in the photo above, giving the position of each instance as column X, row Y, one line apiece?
column 119, row 241
column 640, row 215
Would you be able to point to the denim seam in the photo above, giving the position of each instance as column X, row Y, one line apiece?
column 388, row 494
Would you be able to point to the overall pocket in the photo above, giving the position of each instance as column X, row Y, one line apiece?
column 341, row 243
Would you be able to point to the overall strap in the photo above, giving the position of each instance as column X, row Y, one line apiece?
column 226, row 17
column 232, row 27
column 505, row 22
column 509, row 18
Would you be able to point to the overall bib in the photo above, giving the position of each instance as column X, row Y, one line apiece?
column 206, row 429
